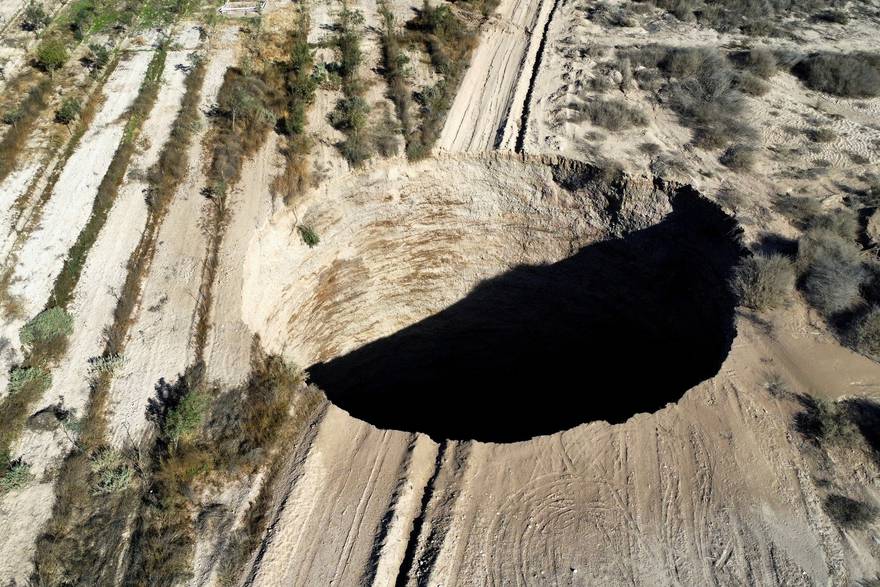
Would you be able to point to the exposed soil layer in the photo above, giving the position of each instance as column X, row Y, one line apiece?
column 636, row 269
column 634, row 322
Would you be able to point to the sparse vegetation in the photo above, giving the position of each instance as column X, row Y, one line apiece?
column 849, row 75
column 702, row 90
column 764, row 282
column 394, row 68
column 822, row 135
column 849, row 513
column 613, row 115
column 352, row 111
column 826, row 422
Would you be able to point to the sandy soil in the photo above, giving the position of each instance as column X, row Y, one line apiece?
column 227, row 355
column 92, row 309
column 158, row 345
column 41, row 257
column 487, row 114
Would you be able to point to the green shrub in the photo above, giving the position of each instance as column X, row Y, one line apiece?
column 739, row 157
column 35, row 17
column 99, row 57
column 15, row 476
column 69, row 111
column 849, row 513
column 308, row 235
column 611, row 114
column 13, row 117
column 112, row 472
column 185, row 418
column 29, row 379
column 832, row 271
column 47, row 327
column 51, row 55
column 763, row 282
column 849, row 75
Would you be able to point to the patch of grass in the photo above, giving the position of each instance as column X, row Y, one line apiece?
column 849, row 75
column 613, row 115
column 849, row 513
column 751, row 84
column 22, row 119
column 46, row 334
column 764, row 282
column 15, row 475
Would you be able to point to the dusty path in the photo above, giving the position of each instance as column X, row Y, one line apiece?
column 159, row 340
column 488, row 109
column 227, row 356
column 332, row 530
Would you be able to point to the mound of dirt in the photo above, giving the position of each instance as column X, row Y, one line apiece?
column 424, row 307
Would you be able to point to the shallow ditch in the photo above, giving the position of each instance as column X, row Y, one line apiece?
column 624, row 323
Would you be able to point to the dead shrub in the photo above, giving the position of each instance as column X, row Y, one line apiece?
column 613, row 115
column 832, row 271
column 863, row 334
column 822, row 135
column 739, row 157
column 764, row 282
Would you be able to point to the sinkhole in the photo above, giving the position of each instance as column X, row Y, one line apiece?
column 508, row 300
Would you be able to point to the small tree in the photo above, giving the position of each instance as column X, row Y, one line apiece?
column 69, row 111
column 51, row 55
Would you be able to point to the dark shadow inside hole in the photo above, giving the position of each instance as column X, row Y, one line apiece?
column 621, row 327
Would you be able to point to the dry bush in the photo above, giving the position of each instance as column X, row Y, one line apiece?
column 739, row 157
column 751, row 84
column 849, row 75
column 705, row 96
column 832, row 271
column 822, row 135
column 761, row 62
column 841, row 222
column 826, row 422
column 800, row 211
column 25, row 116
column 863, row 334
column 849, row 513
column 764, row 282
column 610, row 114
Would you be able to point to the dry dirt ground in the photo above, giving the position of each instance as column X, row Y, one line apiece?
column 712, row 485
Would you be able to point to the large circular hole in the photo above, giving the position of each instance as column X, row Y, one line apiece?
column 625, row 312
